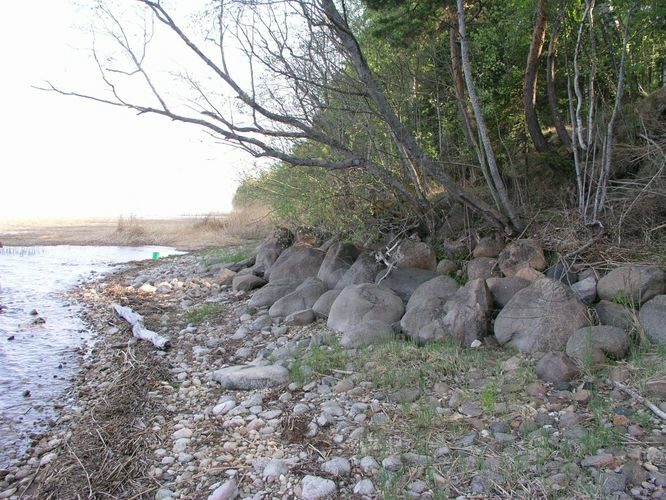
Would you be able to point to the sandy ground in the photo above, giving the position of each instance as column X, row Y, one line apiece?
column 183, row 233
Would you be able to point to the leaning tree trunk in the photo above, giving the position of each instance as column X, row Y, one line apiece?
column 497, row 182
column 530, row 83
column 459, row 86
column 550, row 85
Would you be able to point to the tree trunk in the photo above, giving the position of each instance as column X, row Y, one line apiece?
column 530, row 83
column 497, row 182
column 550, row 85
column 459, row 86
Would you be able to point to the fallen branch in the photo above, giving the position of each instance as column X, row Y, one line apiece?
column 139, row 330
column 655, row 409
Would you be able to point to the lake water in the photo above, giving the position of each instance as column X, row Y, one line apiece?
column 40, row 331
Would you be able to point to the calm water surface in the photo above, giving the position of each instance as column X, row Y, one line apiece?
column 38, row 351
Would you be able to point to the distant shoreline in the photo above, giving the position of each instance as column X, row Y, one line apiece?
column 183, row 232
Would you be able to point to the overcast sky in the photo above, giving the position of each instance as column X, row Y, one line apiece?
column 64, row 157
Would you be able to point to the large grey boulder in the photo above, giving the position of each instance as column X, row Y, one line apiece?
column 268, row 253
column 653, row 319
column 300, row 318
column 519, row 254
column 364, row 302
column 465, row 319
column 540, row 317
column 322, row 307
column 250, row 377
column 296, row 264
column 404, row 281
column 415, row 254
column 442, row 287
column 266, row 296
column 427, row 304
column 303, row 297
column 367, row 333
column 610, row 313
column 424, row 313
column 556, row 367
column 339, row 258
column 591, row 344
column 363, row 270
column 482, row 268
column 637, row 284
column 502, row 289
column 247, row 282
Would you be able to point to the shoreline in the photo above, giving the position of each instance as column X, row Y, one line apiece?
column 154, row 424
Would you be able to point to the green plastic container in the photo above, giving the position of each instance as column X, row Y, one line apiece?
column 156, row 255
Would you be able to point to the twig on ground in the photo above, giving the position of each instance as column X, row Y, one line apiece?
column 655, row 409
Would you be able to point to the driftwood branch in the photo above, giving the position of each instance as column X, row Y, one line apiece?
column 138, row 328
column 655, row 409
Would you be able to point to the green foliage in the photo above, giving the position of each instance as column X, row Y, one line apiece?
column 228, row 255
column 407, row 45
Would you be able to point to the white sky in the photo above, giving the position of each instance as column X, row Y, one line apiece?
column 65, row 157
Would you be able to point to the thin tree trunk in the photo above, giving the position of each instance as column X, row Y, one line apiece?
column 459, row 86
column 530, row 83
column 497, row 182
column 607, row 155
column 550, row 85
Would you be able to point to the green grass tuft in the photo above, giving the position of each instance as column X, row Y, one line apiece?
column 200, row 313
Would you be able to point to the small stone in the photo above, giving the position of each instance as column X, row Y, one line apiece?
column 224, row 407
column 655, row 455
column 635, row 472
column 611, row 482
column 620, row 420
column 47, row 458
column 536, row 390
column 599, row 460
column 442, row 451
column 182, row 433
column 343, row 386
column 470, row 409
column 364, row 487
column 583, row 396
column 392, row 463
column 314, row 487
column 467, row 440
column 274, row 469
column 380, row 419
column 556, row 367
column 419, row 486
column 163, row 494
column 228, row 491
column 415, row 458
column 369, row 464
column 337, row 466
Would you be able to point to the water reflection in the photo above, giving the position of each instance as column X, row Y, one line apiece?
column 40, row 331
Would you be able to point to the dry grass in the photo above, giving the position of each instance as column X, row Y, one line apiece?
column 109, row 450
column 184, row 233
